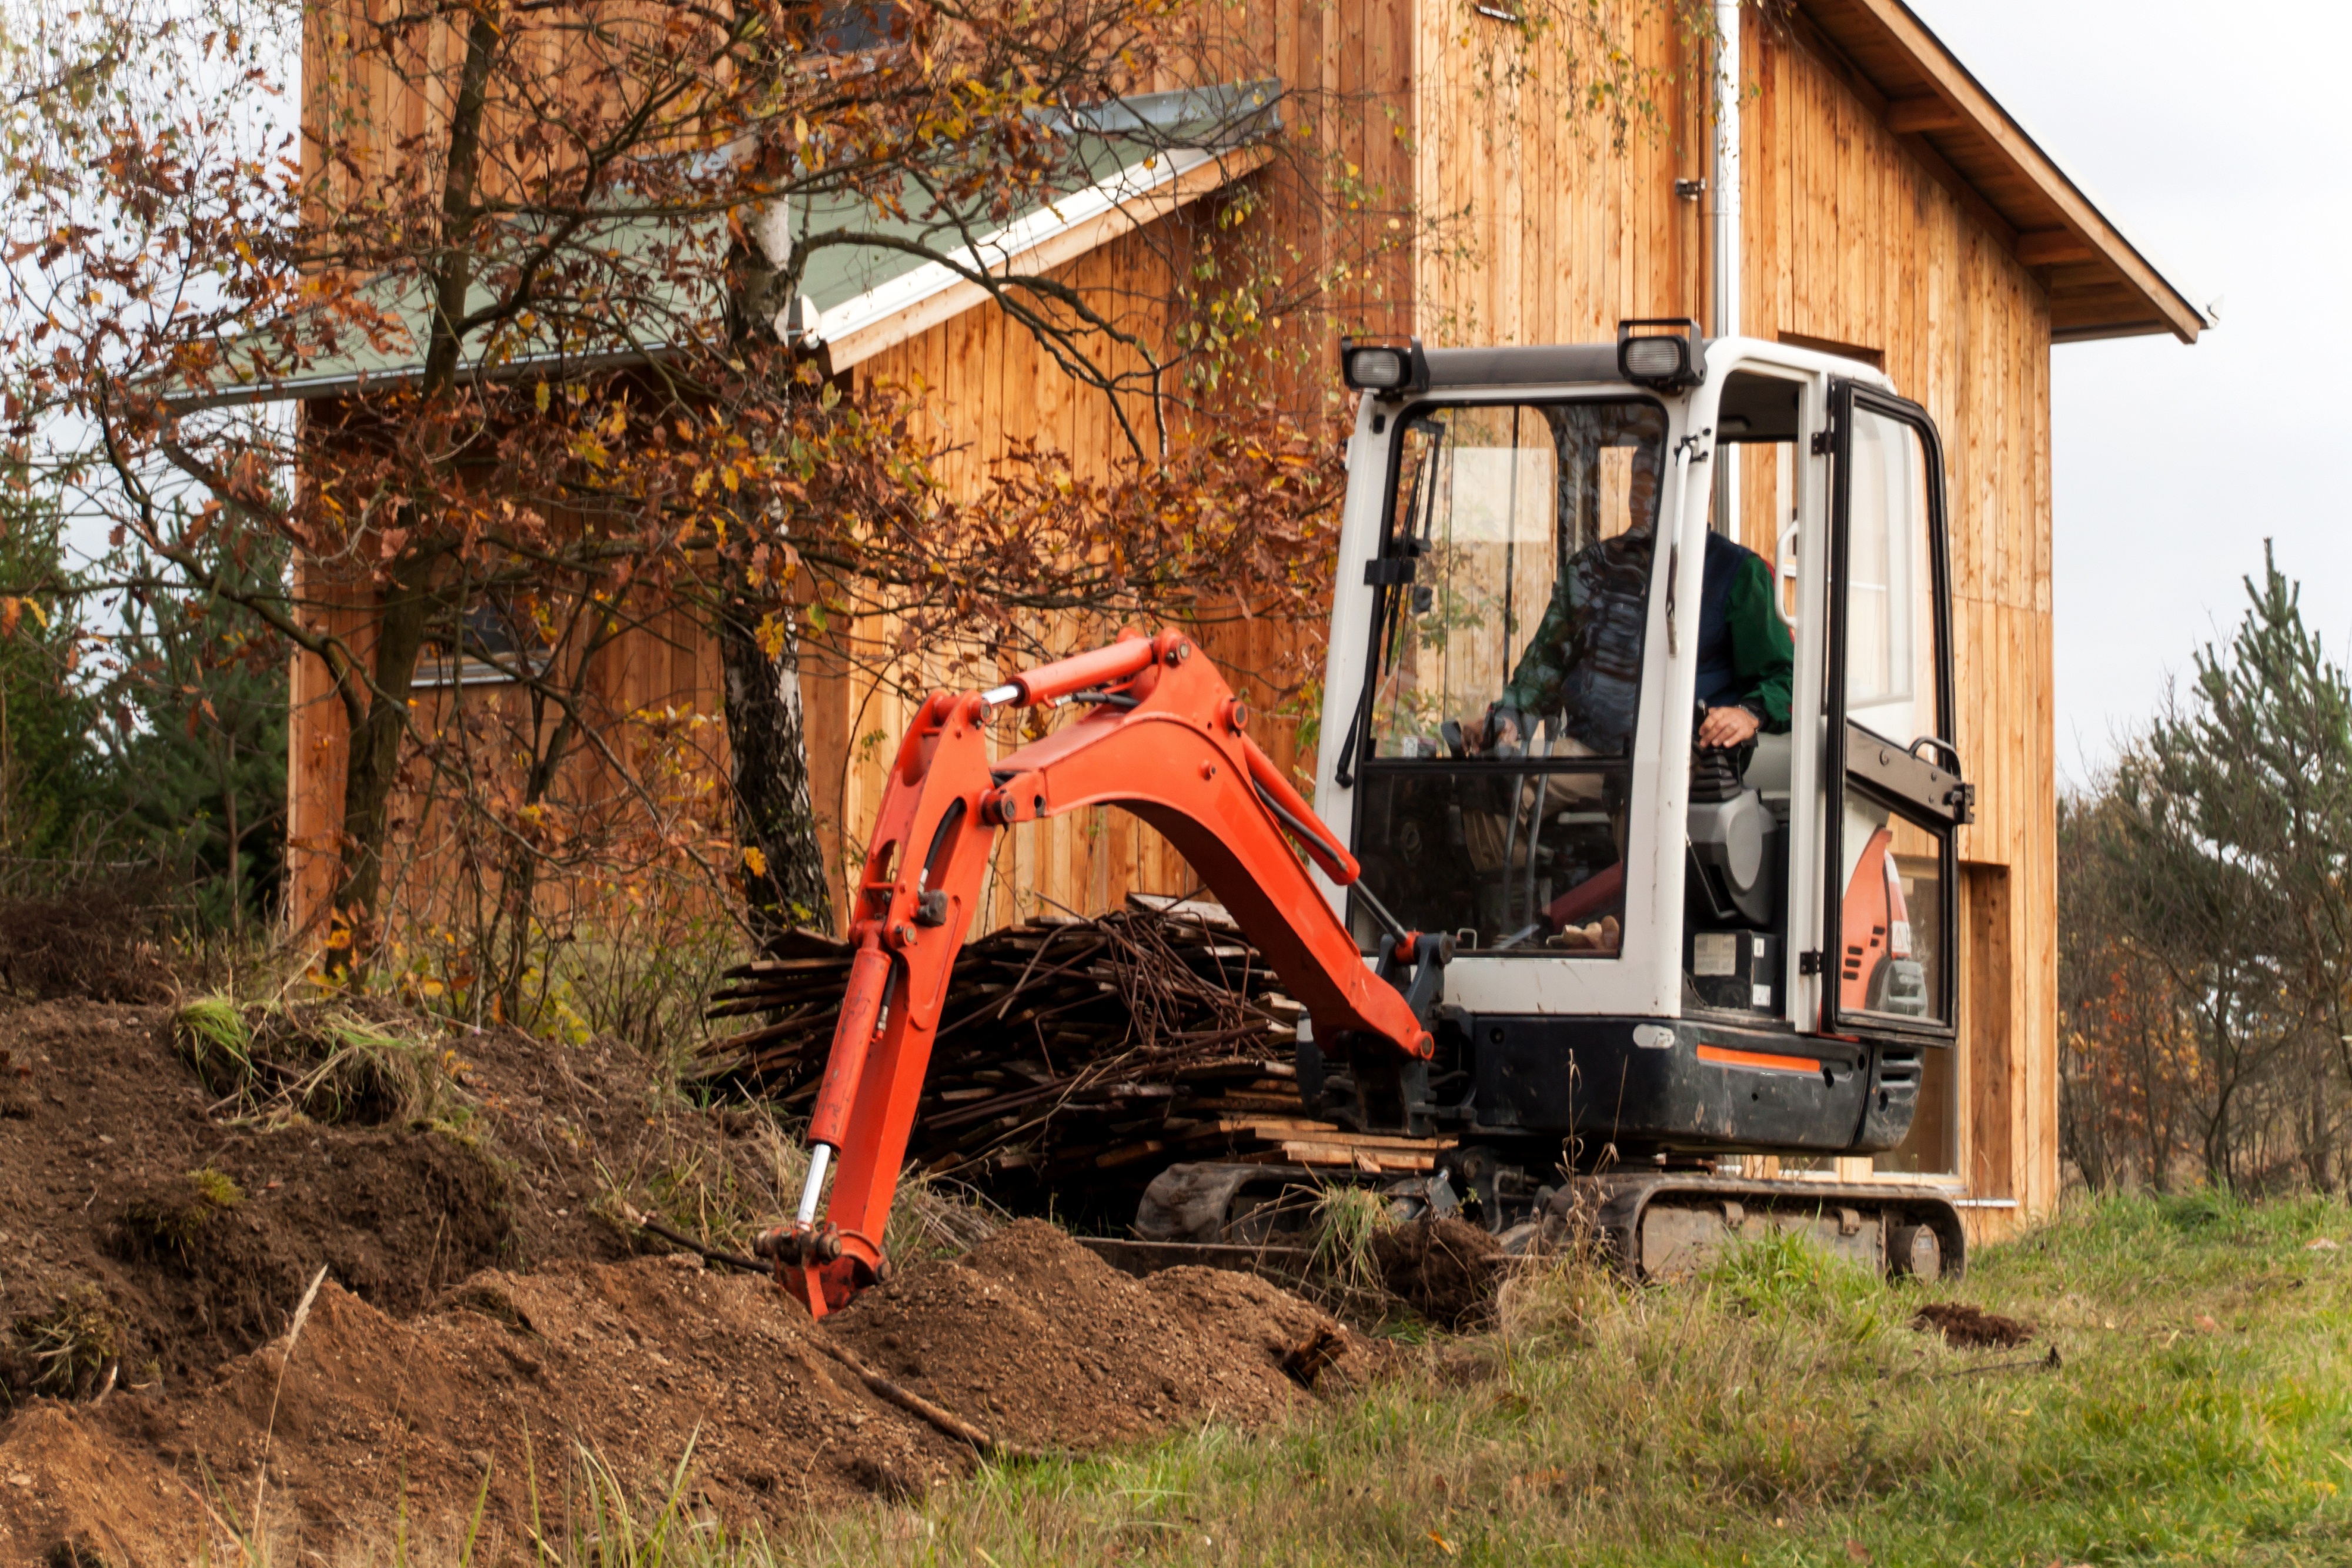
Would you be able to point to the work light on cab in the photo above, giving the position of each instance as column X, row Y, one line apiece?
column 1664, row 354
column 1384, row 370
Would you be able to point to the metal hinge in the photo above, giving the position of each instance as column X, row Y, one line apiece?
column 1824, row 441
column 1809, row 962
column 1389, row 570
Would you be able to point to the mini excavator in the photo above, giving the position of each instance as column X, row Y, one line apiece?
column 1583, row 956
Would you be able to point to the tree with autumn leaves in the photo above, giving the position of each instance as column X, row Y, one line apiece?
column 486, row 340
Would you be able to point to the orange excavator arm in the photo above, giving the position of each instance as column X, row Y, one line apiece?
column 1164, row 740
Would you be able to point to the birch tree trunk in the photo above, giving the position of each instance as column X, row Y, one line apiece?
column 783, row 867
column 775, row 815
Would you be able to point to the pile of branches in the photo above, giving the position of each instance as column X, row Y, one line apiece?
column 1068, row 1046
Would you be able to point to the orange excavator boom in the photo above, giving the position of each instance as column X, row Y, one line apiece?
column 1165, row 740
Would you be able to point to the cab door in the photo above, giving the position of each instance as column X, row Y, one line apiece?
column 1894, row 786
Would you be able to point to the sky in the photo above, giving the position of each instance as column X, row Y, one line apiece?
column 2211, row 135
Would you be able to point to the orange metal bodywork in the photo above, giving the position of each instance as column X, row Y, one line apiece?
column 1868, row 918
column 1770, row 1062
column 1179, row 759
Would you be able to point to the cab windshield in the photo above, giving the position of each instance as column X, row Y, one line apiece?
column 1508, row 672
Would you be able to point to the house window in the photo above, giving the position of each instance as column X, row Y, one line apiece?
column 854, row 26
column 495, row 643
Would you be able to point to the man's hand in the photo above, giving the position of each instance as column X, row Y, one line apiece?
column 1497, row 729
column 1727, row 726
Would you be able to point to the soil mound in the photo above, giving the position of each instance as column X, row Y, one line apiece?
column 1446, row 1269
column 97, row 941
column 1971, row 1327
column 515, row 1376
column 184, row 1234
column 545, row 1385
column 483, row 1314
column 1035, row 1338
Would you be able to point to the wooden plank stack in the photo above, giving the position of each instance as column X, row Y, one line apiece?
column 1074, row 1052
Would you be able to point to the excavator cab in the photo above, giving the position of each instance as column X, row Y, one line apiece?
column 1554, row 561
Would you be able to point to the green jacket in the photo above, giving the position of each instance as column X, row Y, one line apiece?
column 1584, row 662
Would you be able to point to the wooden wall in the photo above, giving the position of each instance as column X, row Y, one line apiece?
column 988, row 384
column 653, row 693
column 1543, row 228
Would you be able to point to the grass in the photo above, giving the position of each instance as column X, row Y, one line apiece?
column 173, row 1217
column 316, row 1061
column 213, row 1037
column 1346, row 1220
column 1780, row 1411
column 68, row 1352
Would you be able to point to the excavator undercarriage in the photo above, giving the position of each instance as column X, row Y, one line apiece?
column 1654, row 1223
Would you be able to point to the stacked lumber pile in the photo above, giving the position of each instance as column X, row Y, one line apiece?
column 1070, row 1050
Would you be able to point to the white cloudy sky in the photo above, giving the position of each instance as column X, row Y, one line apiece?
column 2214, row 135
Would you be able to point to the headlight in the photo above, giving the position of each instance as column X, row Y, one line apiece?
column 1648, row 356
column 1386, row 370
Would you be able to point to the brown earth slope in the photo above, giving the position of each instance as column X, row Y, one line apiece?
column 482, row 1317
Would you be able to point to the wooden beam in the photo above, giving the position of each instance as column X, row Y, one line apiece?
column 1912, row 116
column 1948, row 79
column 2054, row 247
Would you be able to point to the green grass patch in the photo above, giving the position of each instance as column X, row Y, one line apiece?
column 319, row 1061
column 173, row 1217
column 67, row 1352
column 213, row 1041
column 1778, row 1411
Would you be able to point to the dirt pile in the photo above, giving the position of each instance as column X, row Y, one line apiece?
column 122, row 1174
column 483, row 1314
column 512, row 1378
column 1971, row 1327
column 1041, row 1342
column 1446, row 1269
column 97, row 941
column 522, row 1385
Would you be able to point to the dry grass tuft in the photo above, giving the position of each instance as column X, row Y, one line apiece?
column 69, row 1351
column 320, row 1061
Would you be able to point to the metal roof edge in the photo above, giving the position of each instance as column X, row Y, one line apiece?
column 1163, row 177
column 1213, row 136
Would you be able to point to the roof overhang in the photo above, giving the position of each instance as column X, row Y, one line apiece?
column 864, row 318
column 1128, row 163
column 2100, row 283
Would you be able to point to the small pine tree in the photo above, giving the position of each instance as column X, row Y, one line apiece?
column 50, row 769
column 195, row 745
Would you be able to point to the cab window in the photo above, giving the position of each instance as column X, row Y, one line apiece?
column 1509, row 633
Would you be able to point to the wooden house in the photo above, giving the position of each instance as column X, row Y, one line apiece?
column 1874, row 199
